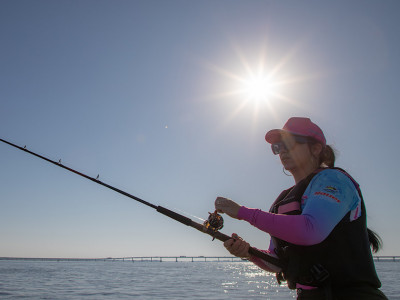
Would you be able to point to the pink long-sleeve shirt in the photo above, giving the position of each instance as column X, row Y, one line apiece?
column 327, row 199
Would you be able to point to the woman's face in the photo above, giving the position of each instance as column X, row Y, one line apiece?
column 296, row 156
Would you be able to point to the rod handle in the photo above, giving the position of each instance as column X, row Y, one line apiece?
column 223, row 237
column 252, row 251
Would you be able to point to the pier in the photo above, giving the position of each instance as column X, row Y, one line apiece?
column 138, row 259
column 387, row 258
column 377, row 258
column 180, row 258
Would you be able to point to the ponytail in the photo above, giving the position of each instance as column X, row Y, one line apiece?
column 375, row 240
column 327, row 157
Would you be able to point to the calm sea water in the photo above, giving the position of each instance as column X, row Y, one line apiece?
column 152, row 280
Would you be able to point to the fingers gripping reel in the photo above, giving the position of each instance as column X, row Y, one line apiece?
column 214, row 222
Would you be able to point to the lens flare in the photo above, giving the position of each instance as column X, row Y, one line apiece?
column 256, row 85
column 259, row 88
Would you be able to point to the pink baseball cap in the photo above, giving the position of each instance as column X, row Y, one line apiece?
column 297, row 126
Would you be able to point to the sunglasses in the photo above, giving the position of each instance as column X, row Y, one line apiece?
column 288, row 143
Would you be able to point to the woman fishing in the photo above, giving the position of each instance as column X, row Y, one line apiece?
column 318, row 226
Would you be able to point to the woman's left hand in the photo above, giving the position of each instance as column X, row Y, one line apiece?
column 227, row 206
column 236, row 246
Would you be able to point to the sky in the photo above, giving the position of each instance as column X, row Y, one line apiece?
column 153, row 97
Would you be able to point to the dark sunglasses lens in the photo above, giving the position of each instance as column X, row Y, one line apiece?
column 276, row 148
column 288, row 143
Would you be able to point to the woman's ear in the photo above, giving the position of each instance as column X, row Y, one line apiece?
column 316, row 149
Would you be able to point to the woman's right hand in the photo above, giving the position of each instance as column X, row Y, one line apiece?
column 227, row 206
column 237, row 246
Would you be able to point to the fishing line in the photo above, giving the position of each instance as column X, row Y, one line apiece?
column 210, row 226
column 188, row 214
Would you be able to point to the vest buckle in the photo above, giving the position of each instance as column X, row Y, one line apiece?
column 319, row 273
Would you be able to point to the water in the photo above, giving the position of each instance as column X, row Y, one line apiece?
column 152, row 280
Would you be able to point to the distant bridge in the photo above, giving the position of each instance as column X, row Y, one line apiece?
column 179, row 258
column 388, row 258
column 215, row 258
column 138, row 258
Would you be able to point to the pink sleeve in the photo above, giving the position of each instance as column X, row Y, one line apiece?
column 295, row 229
column 327, row 199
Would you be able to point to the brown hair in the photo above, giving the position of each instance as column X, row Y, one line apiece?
column 327, row 157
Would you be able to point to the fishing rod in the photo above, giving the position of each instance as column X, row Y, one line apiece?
column 210, row 226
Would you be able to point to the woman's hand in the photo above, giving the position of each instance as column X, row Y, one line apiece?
column 236, row 246
column 227, row 206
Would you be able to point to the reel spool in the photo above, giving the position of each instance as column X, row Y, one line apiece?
column 214, row 222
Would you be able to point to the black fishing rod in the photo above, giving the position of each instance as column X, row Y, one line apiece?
column 210, row 226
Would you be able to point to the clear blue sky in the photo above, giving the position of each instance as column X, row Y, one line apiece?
column 144, row 94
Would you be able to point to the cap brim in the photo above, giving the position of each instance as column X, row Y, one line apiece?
column 273, row 136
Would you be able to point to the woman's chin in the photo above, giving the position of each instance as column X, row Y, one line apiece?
column 288, row 165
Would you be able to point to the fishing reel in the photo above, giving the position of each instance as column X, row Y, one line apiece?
column 214, row 222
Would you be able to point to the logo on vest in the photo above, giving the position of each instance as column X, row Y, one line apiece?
column 328, row 191
column 331, row 189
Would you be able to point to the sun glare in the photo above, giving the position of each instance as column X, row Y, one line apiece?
column 258, row 88
column 258, row 85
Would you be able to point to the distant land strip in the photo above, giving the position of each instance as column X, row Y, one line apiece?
column 134, row 258
column 392, row 258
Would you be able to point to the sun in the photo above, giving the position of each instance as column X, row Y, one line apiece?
column 259, row 88
column 255, row 83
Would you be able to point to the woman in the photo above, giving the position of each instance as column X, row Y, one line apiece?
column 318, row 226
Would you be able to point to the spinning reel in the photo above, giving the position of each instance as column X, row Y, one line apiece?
column 214, row 222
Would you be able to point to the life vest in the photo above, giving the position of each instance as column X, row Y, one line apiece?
column 343, row 259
